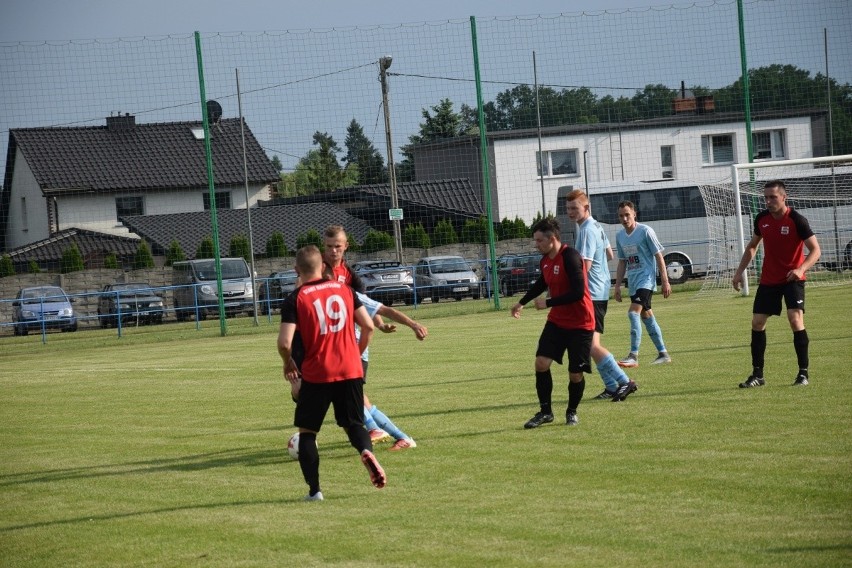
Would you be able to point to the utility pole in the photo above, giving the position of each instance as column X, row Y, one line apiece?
column 395, row 213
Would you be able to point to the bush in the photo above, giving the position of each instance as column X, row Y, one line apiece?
column 516, row 229
column 415, row 236
column 444, row 234
column 240, row 247
column 352, row 244
column 72, row 260
column 475, row 231
column 175, row 253
column 33, row 267
column 6, row 266
column 376, row 241
column 111, row 260
column 275, row 245
column 205, row 249
column 312, row 237
column 143, row 257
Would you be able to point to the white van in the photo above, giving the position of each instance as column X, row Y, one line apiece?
column 196, row 286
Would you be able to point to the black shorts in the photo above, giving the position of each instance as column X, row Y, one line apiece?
column 643, row 298
column 600, row 313
column 767, row 300
column 347, row 398
column 554, row 341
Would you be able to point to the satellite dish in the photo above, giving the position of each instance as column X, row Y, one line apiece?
column 214, row 111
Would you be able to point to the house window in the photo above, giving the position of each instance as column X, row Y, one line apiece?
column 24, row 222
column 667, row 161
column 223, row 200
column 768, row 145
column 557, row 163
column 717, row 149
column 127, row 206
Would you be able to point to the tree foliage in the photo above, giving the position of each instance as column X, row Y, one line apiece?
column 143, row 257
column 7, row 268
column 444, row 234
column 175, row 253
column 475, row 231
column 239, row 247
column 376, row 241
column 111, row 261
column 415, row 236
column 33, row 267
column 72, row 260
column 205, row 248
column 516, row 229
column 361, row 153
column 312, row 237
column 275, row 245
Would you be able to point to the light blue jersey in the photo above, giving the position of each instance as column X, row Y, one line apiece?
column 592, row 243
column 373, row 308
column 638, row 250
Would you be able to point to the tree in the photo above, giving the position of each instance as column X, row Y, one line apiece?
column 318, row 171
column 6, row 266
column 175, row 253
column 312, row 237
column 72, row 260
column 33, row 267
column 516, row 229
column 111, row 261
column 444, row 234
column 143, row 257
column 276, row 163
column 475, row 231
column 205, row 248
column 360, row 152
column 653, row 101
column 239, row 247
column 415, row 236
column 376, row 241
column 444, row 123
column 275, row 245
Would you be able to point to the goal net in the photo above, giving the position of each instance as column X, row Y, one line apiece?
column 819, row 188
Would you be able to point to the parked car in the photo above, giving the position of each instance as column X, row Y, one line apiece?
column 446, row 277
column 272, row 291
column 196, row 287
column 133, row 302
column 387, row 281
column 516, row 272
column 47, row 306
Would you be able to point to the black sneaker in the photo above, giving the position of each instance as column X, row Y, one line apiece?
column 801, row 381
column 752, row 381
column 624, row 391
column 571, row 418
column 539, row 419
column 605, row 395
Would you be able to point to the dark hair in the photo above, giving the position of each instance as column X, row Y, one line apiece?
column 627, row 203
column 548, row 226
column 775, row 183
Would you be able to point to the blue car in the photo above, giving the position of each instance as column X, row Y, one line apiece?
column 47, row 306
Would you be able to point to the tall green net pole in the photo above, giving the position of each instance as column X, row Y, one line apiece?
column 211, row 186
column 486, row 178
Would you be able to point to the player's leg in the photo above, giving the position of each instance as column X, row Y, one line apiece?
column 794, row 296
column 767, row 302
column 611, row 374
column 634, row 317
column 349, row 414
column 579, row 349
column 549, row 350
column 310, row 413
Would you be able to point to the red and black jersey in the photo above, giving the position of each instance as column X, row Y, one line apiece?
column 324, row 314
column 342, row 273
column 565, row 277
column 783, row 244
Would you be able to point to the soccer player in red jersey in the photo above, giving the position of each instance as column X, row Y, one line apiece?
column 785, row 233
column 325, row 313
column 570, row 323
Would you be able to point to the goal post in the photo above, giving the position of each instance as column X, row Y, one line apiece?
column 819, row 188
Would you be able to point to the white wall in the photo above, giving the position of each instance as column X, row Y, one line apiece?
column 24, row 185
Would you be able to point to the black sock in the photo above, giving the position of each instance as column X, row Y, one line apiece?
column 758, row 350
column 800, row 342
column 359, row 437
column 575, row 394
column 544, row 389
column 309, row 460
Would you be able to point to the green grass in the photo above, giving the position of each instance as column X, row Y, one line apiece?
column 167, row 447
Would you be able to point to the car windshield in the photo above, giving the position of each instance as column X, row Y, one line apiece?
column 450, row 265
column 287, row 277
column 45, row 294
column 532, row 262
column 230, row 269
column 133, row 287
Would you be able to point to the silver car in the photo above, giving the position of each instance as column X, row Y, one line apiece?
column 387, row 281
column 446, row 277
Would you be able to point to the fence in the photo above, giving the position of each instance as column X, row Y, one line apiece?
column 569, row 100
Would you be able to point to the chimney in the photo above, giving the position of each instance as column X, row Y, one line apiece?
column 120, row 123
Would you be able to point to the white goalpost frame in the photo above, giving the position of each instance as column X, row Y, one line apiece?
column 735, row 180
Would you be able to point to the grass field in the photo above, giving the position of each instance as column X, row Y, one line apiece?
column 167, row 447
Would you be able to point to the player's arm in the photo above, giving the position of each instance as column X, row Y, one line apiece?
column 609, row 254
column 814, row 253
column 664, row 275
column 285, row 346
column 619, row 277
column 748, row 255
column 420, row 331
column 363, row 319
column 537, row 289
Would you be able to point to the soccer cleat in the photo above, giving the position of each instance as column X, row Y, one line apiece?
column 801, row 380
column 606, row 395
column 571, row 418
column 662, row 359
column 377, row 436
column 632, row 360
column 377, row 474
column 624, row 391
column 403, row 444
column 315, row 497
column 752, row 381
column 537, row 420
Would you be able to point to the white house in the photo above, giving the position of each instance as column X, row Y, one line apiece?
column 90, row 177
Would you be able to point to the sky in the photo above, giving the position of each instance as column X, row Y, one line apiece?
column 34, row 20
